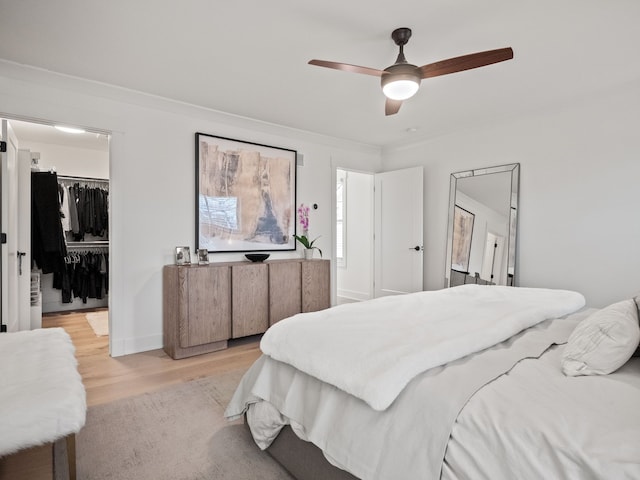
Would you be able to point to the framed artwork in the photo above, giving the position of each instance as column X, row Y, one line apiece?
column 462, row 235
column 245, row 196
column 183, row 256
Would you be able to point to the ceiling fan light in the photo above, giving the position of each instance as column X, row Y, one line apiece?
column 400, row 89
column 400, row 81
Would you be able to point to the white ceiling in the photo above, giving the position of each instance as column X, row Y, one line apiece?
column 249, row 57
column 36, row 132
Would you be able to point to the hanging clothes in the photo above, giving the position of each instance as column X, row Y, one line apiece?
column 63, row 196
column 47, row 238
column 91, row 211
column 83, row 276
column 74, row 225
column 82, row 217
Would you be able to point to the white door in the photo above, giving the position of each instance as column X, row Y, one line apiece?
column 492, row 260
column 398, row 232
column 10, row 258
column 24, row 243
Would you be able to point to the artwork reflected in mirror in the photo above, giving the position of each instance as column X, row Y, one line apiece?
column 481, row 239
column 462, row 236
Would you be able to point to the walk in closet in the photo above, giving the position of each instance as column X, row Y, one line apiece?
column 72, row 249
column 67, row 253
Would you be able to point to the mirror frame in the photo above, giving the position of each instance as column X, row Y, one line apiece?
column 514, row 168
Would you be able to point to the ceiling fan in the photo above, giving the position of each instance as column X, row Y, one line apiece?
column 401, row 80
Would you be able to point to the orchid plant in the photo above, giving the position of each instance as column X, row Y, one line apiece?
column 303, row 218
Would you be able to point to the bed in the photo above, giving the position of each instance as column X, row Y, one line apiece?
column 468, row 382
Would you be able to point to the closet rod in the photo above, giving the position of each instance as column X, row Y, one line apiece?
column 94, row 243
column 83, row 179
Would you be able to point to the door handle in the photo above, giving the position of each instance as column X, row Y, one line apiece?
column 417, row 248
column 20, row 255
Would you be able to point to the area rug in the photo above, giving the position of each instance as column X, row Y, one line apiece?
column 99, row 322
column 178, row 433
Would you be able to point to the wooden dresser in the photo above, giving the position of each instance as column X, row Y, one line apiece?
column 206, row 305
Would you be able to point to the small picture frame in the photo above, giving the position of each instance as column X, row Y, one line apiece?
column 183, row 256
column 203, row 256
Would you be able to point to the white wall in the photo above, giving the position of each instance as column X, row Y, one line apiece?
column 152, row 180
column 73, row 161
column 578, row 219
column 354, row 280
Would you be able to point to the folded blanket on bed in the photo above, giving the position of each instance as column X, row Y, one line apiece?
column 373, row 349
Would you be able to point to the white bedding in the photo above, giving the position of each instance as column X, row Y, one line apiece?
column 530, row 423
column 536, row 423
column 407, row 334
column 407, row 440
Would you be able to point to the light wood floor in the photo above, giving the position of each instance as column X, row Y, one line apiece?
column 107, row 379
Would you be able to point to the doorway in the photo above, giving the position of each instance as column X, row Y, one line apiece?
column 80, row 162
column 354, row 236
column 379, row 231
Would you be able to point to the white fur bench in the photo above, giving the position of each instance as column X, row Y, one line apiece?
column 41, row 392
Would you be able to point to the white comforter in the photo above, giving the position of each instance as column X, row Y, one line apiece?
column 408, row 334
column 536, row 423
column 528, row 424
column 409, row 439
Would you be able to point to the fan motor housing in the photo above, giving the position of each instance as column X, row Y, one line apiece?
column 403, row 71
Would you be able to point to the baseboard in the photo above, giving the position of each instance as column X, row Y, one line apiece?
column 353, row 295
column 126, row 346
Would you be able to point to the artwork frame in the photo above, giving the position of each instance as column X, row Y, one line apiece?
column 245, row 195
column 463, row 221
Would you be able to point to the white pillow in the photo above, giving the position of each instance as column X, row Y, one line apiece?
column 604, row 341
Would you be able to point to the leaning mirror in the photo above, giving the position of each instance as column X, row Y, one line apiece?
column 481, row 236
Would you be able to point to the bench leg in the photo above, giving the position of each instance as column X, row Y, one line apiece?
column 71, row 455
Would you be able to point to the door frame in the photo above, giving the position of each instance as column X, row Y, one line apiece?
column 117, row 145
column 375, row 268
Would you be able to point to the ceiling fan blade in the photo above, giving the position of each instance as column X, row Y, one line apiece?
column 347, row 67
column 466, row 62
column 391, row 107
